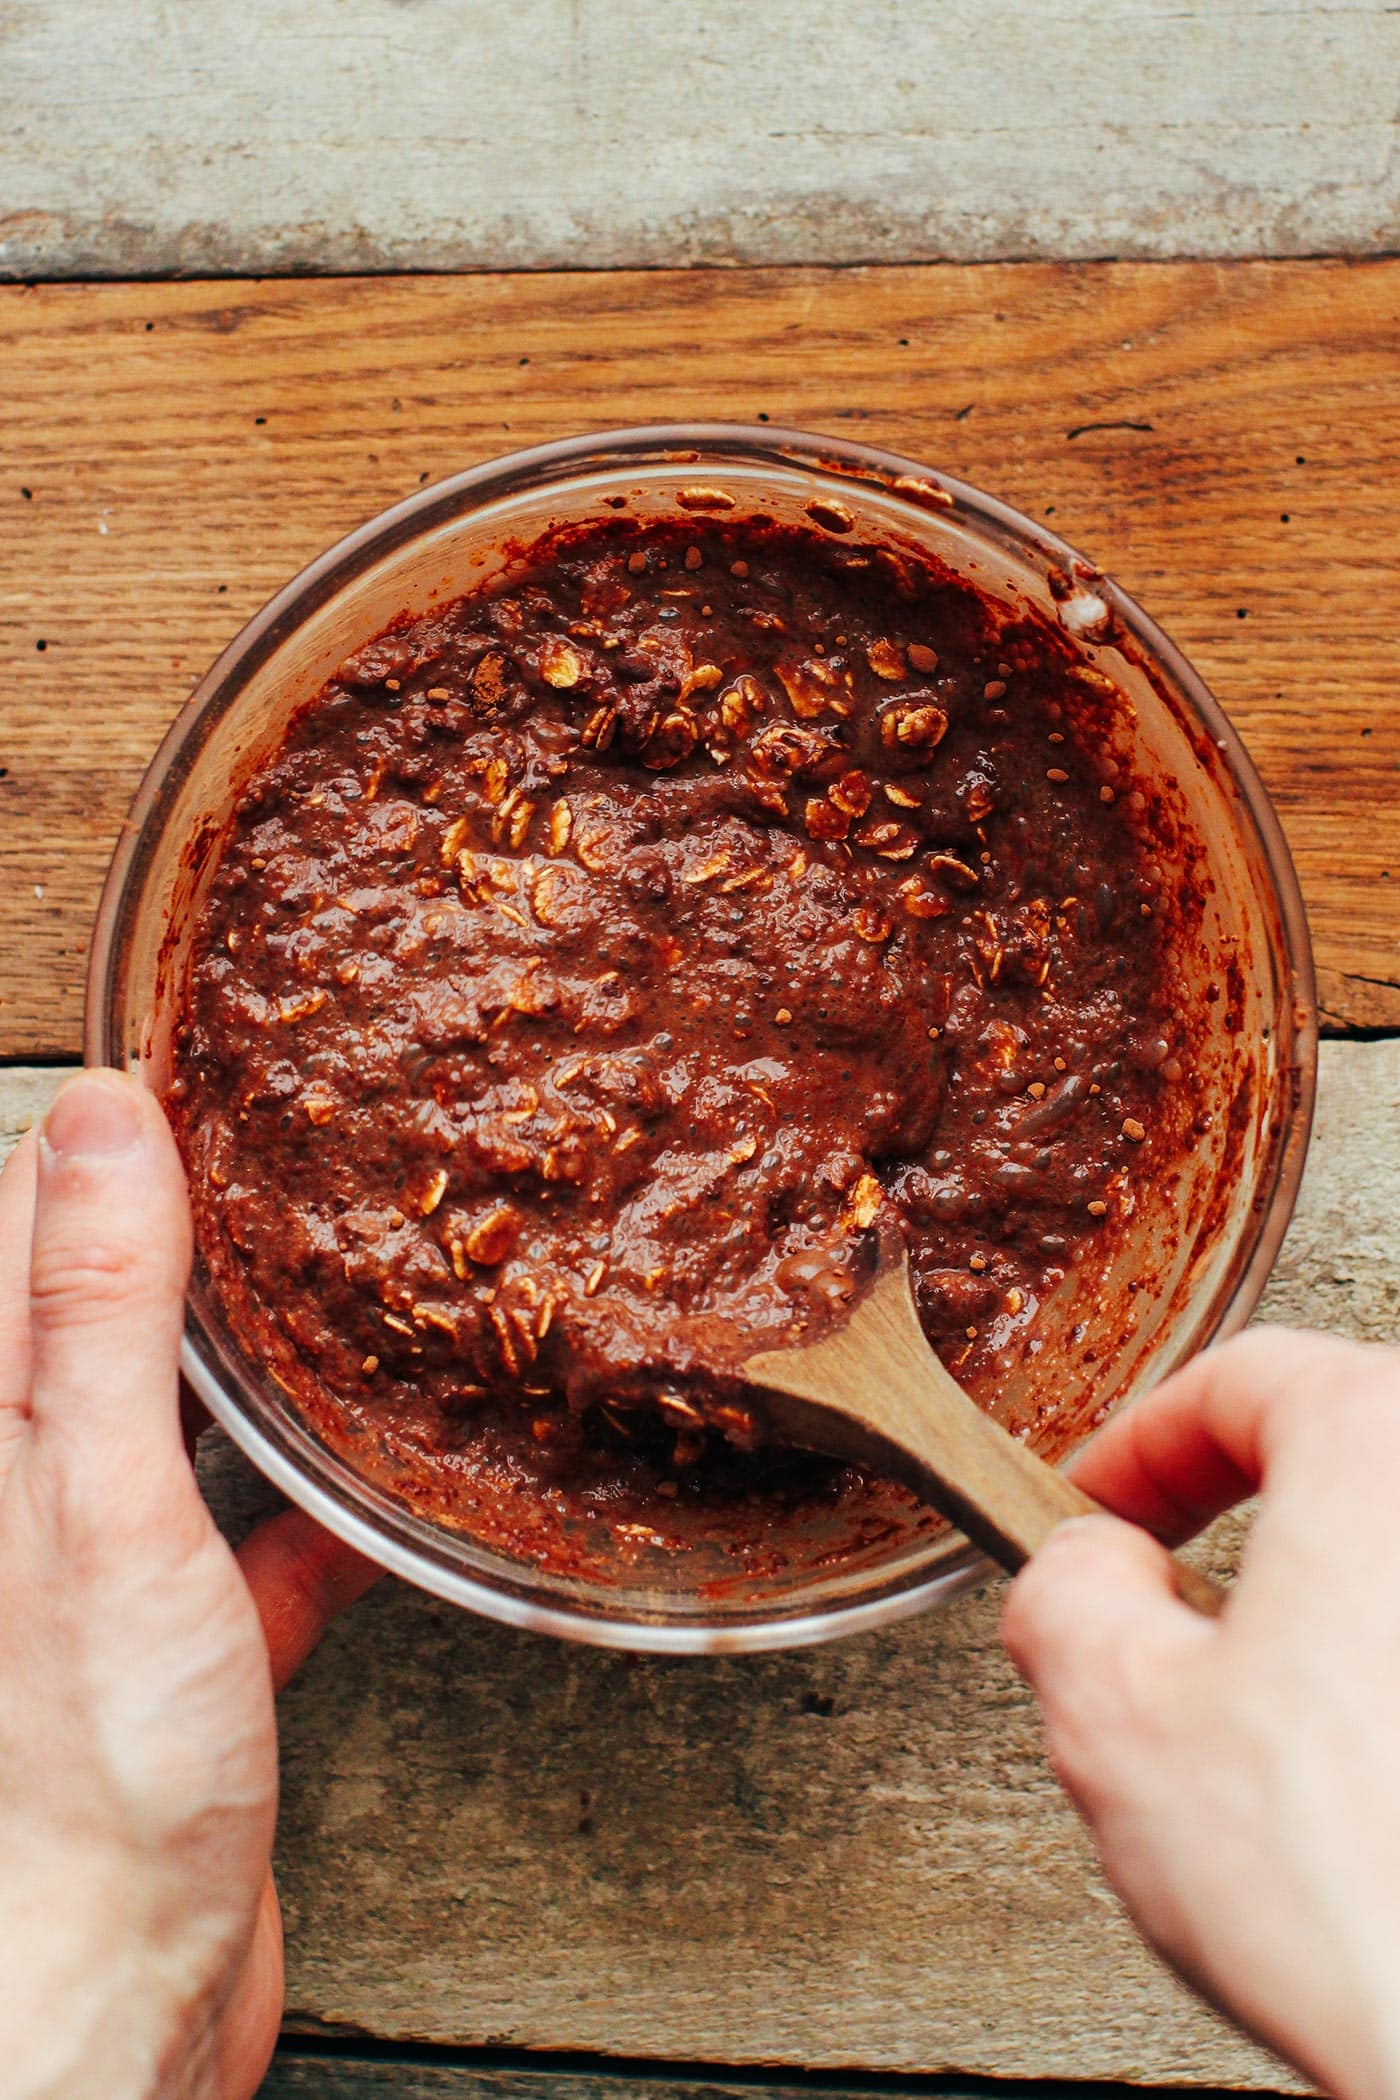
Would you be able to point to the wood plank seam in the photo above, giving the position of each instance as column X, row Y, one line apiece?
column 362, row 2067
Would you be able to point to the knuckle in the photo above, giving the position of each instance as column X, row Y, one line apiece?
column 1293, row 1359
column 80, row 1282
column 1323, row 1391
column 1359, row 1425
column 1374, row 1369
column 1108, row 1726
column 1073, row 1553
column 1039, row 1615
column 1104, row 1685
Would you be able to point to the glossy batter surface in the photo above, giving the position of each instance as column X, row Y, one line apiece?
column 600, row 957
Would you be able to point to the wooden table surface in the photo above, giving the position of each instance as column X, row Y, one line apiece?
column 499, row 1844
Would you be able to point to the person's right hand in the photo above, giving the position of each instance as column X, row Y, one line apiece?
column 1241, row 1777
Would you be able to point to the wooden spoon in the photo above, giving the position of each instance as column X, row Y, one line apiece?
column 873, row 1391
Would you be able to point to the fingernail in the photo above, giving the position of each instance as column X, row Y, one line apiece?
column 94, row 1116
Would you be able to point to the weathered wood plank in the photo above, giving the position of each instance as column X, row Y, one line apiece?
column 1226, row 440
column 853, row 1856
column 849, row 1856
column 393, row 134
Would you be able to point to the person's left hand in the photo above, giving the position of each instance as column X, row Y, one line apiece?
column 138, row 1655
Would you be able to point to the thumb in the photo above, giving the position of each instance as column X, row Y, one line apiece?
column 109, row 1261
column 1095, row 1626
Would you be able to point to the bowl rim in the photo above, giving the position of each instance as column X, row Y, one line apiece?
column 703, row 445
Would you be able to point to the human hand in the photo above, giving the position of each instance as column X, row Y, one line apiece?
column 138, row 1656
column 1239, row 1776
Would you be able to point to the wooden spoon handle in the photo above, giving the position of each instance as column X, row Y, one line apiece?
column 1009, row 1501
column 876, row 1381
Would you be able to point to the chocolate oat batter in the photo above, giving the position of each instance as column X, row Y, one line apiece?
column 599, row 958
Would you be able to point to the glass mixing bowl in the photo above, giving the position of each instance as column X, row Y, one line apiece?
column 1206, row 1236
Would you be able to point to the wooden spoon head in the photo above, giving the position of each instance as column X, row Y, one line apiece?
column 833, row 1393
column 873, row 1391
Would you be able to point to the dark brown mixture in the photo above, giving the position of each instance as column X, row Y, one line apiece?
column 601, row 956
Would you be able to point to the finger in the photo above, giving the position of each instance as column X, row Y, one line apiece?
column 108, row 1266
column 1204, row 1439
column 301, row 1577
column 1095, row 1626
column 16, row 1234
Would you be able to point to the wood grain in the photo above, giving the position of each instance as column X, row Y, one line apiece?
column 1225, row 440
column 392, row 134
column 852, row 1856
